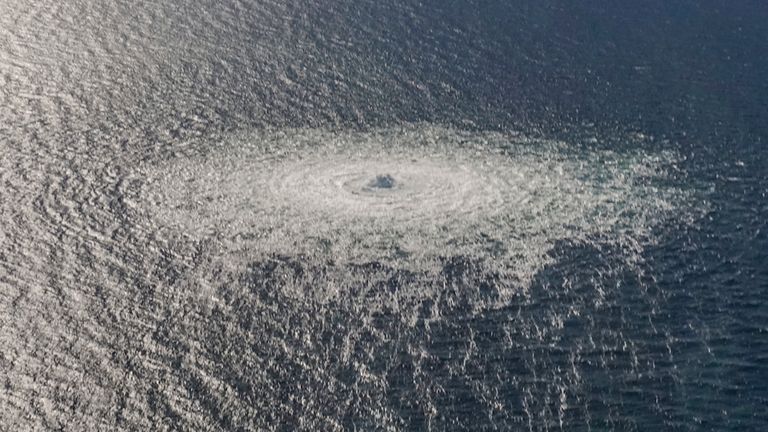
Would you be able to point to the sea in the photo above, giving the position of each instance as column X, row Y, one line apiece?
column 395, row 215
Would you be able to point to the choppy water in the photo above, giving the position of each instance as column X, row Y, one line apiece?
column 251, row 215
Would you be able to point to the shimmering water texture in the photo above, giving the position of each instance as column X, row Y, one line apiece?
column 420, row 277
column 242, row 215
column 412, row 197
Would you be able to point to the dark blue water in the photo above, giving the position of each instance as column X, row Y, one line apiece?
column 102, row 322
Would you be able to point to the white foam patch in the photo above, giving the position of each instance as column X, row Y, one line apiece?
column 409, row 196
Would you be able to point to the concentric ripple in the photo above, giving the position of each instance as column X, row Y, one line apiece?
column 410, row 196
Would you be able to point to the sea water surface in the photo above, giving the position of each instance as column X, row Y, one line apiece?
column 243, row 215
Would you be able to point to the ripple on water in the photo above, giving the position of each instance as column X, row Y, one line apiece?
column 410, row 196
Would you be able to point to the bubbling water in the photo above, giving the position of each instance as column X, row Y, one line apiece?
column 411, row 197
column 372, row 268
column 381, row 182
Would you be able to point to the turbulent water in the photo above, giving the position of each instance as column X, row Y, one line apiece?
column 316, row 215
column 407, row 198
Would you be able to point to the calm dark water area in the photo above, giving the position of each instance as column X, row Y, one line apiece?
column 121, row 309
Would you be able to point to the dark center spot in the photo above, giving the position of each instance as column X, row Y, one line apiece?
column 385, row 181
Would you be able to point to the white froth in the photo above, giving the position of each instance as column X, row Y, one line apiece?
column 495, row 197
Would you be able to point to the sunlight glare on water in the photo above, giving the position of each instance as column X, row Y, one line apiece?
column 499, row 198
